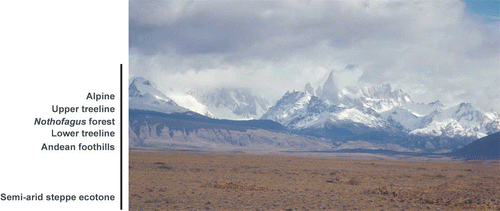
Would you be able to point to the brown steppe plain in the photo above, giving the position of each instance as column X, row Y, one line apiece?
column 162, row 180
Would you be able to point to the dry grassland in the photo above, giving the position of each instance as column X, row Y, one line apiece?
column 214, row 181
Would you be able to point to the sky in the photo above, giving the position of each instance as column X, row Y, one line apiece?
column 447, row 50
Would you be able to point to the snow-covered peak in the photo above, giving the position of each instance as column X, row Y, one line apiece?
column 143, row 95
column 385, row 92
column 468, row 115
column 381, row 110
column 436, row 104
column 140, row 87
column 463, row 120
column 422, row 109
column 493, row 115
column 381, row 98
column 403, row 116
column 300, row 110
column 309, row 89
column 287, row 106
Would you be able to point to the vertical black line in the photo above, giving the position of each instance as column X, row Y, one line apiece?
column 121, row 136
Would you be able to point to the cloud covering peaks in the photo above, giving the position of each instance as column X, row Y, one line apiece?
column 431, row 49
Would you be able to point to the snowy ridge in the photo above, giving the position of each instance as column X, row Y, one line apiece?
column 144, row 95
column 292, row 105
column 300, row 110
column 221, row 103
column 189, row 102
column 403, row 116
column 463, row 120
column 360, row 113
column 380, row 99
column 231, row 103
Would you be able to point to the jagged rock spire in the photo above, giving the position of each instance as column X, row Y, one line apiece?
column 330, row 91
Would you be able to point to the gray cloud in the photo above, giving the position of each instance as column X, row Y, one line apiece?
column 431, row 49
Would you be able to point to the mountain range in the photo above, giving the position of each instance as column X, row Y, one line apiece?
column 231, row 103
column 220, row 103
column 157, row 121
column 381, row 115
column 379, row 118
